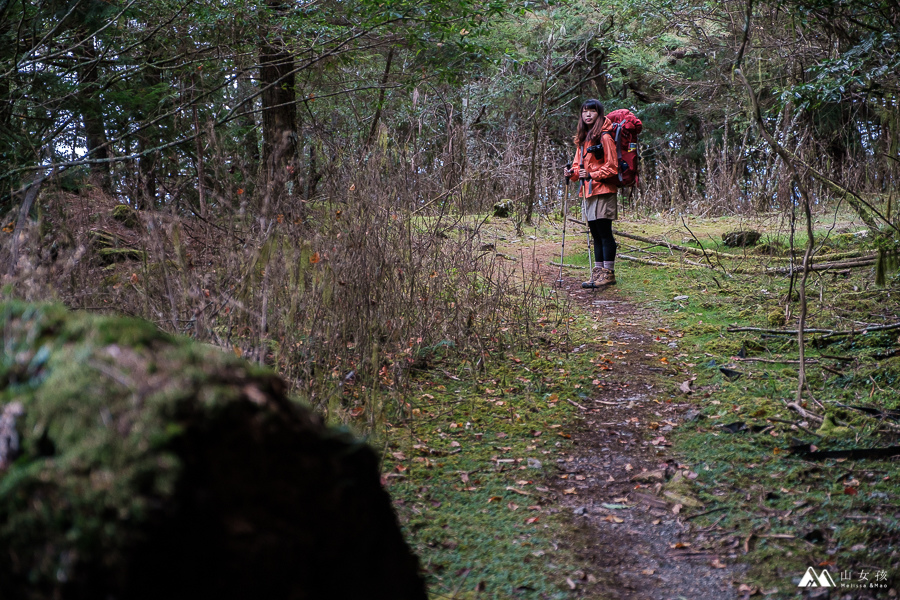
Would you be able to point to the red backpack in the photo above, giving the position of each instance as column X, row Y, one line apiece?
column 626, row 128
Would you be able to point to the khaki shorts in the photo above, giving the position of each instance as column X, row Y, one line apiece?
column 600, row 206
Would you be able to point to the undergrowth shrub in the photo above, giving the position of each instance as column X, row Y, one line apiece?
column 342, row 294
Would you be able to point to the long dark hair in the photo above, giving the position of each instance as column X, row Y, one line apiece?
column 582, row 132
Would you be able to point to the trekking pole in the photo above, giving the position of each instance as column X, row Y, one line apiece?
column 562, row 255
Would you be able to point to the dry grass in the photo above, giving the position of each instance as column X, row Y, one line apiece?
column 342, row 295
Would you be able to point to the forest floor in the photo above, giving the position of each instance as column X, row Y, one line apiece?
column 620, row 457
column 625, row 525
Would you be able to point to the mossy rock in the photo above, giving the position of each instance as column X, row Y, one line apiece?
column 126, row 215
column 770, row 249
column 149, row 466
column 830, row 427
column 741, row 238
column 680, row 491
column 776, row 318
column 752, row 345
column 723, row 347
column 701, row 329
column 503, row 209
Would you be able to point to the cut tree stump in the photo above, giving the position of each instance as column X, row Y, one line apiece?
column 741, row 238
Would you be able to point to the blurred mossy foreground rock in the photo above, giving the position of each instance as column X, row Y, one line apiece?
column 135, row 465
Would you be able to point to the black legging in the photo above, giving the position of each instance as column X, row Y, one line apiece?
column 604, row 242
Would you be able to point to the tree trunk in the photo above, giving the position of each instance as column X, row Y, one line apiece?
column 278, row 107
column 384, row 80
column 535, row 138
column 148, row 138
column 92, row 114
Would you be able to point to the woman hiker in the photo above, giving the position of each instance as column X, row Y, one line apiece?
column 599, row 205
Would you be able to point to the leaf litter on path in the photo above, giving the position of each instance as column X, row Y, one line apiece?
column 629, row 526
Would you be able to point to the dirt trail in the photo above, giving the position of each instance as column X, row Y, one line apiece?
column 639, row 544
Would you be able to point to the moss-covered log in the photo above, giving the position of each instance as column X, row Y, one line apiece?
column 135, row 465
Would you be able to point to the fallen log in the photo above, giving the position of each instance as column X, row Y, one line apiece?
column 707, row 252
column 566, row 266
column 804, row 413
column 826, row 332
column 808, row 361
column 652, row 263
column 806, row 452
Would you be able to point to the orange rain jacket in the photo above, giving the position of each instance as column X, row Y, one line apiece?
column 596, row 169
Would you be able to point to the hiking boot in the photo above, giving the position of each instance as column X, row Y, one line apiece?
column 596, row 276
column 607, row 277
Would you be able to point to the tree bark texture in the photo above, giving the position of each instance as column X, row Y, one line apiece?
column 92, row 113
column 279, row 108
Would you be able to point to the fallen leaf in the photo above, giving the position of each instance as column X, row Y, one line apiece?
column 676, row 509
column 518, row 491
column 718, row 564
column 494, row 499
column 850, row 491
column 686, row 387
column 512, row 506
column 569, row 491
column 398, row 455
column 679, row 545
column 531, row 520
column 613, row 519
column 571, row 583
column 648, row 572
column 628, row 467
column 454, row 444
column 464, row 477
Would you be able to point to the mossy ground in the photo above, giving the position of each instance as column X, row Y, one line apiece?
column 784, row 513
column 467, row 470
column 448, row 467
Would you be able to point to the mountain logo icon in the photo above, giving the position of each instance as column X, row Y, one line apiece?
column 810, row 579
